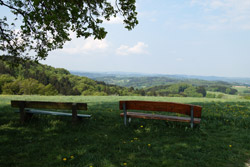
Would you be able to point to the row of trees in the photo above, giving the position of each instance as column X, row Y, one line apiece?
column 10, row 85
column 177, row 90
column 34, row 78
column 223, row 89
column 27, row 86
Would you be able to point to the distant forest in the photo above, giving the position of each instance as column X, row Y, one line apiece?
column 149, row 81
column 33, row 78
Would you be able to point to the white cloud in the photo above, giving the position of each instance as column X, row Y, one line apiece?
column 223, row 14
column 92, row 44
column 233, row 5
column 139, row 48
column 85, row 46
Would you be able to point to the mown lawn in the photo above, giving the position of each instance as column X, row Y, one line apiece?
column 222, row 139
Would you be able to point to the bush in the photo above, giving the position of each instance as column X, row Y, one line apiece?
column 192, row 92
column 231, row 91
column 5, row 78
column 220, row 96
column 11, row 88
column 49, row 90
column 202, row 90
column 246, row 97
column 28, row 87
column 246, row 91
column 210, row 95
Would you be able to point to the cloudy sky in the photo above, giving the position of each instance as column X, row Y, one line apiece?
column 193, row 37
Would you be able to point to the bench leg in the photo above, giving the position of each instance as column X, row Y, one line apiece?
column 24, row 116
column 192, row 116
column 125, row 114
column 75, row 118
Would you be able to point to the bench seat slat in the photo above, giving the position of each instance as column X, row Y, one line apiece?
column 160, row 117
column 54, row 113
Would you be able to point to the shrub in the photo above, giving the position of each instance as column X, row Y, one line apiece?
column 210, row 95
column 191, row 92
column 11, row 88
column 220, row 96
column 28, row 87
column 246, row 97
column 5, row 78
column 49, row 90
column 246, row 91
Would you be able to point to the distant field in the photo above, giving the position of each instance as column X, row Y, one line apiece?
column 226, row 96
column 243, row 90
column 222, row 139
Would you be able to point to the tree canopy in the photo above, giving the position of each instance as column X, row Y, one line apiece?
column 46, row 24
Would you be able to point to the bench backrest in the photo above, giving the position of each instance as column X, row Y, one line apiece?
column 162, row 106
column 48, row 105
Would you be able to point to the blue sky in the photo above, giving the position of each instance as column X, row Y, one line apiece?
column 192, row 37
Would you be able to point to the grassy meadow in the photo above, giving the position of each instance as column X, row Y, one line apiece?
column 222, row 139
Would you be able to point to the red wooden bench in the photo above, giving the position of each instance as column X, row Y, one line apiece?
column 193, row 111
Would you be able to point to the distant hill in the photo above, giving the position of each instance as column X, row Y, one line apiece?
column 167, row 85
column 34, row 78
column 232, row 80
column 140, row 80
column 148, row 80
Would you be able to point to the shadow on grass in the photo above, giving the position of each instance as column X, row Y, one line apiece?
column 222, row 139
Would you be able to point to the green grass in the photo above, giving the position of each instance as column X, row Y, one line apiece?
column 222, row 139
column 241, row 90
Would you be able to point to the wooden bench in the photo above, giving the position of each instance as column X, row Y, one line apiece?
column 193, row 111
column 28, row 108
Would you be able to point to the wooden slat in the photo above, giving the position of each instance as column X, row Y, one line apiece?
column 162, row 106
column 48, row 105
column 160, row 117
column 56, row 113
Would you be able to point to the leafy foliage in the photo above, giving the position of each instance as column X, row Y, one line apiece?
column 46, row 25
column 173, row 83
column 223, row 89
column 138, row 82
column 28, row 86
column 176, row 90
column 34, row 78
column 52, row 81
column 5, row 78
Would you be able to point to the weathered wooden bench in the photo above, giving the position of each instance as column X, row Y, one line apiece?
column 28, row 108
column 193, row 111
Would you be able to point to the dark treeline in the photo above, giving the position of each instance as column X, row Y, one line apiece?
column 165, row 86
column 150, row 81
column 177, row 90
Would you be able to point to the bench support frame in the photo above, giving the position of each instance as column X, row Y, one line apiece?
column 75, row 118
column 125, row 114
column 24, row 116
column 192, row 116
